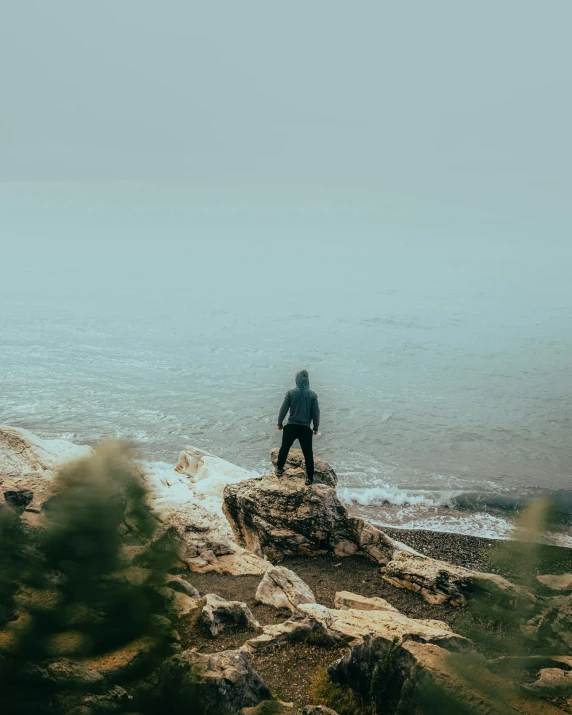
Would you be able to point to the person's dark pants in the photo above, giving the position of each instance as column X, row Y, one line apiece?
column 303, row 434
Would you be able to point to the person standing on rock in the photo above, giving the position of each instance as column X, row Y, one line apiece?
column 304, row 410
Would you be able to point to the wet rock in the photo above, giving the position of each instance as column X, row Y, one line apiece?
column 219, row 614
column 282, row 588
column 345, row 600
column 295, row 467
column 214, row 684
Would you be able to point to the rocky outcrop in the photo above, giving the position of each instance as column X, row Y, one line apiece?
column 188, row 501
column 295, row 467
column 282, row 588
column 561, row 582
column 441, row 582
column 219, row 614
column 277, row 517
column 296, row 629
column 389, row 625
column 212, row 684
column 420, row 678
column 346, row 601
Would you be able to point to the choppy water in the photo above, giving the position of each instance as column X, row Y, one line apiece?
column 440, row 372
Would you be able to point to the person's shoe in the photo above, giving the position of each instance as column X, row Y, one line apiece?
column 278, row 472
column 309, row 482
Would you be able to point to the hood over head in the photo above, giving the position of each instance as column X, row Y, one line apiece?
column 302, row 379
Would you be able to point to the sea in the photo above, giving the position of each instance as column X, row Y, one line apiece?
column 442, row 365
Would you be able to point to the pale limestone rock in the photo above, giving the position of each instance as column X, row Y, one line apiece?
column 218, row 614
column 345, row 600
column 224, row 682
column 295, row 467
column 28, row 462
column 178, row 583
column 441, row 582
column 388, row 625
column 282, row 588
column 562, row 582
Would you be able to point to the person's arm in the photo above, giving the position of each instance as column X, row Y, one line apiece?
column 316, row 414
column 284, row 409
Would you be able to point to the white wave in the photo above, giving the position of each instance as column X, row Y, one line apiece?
column 200, row 477
column 386, row 494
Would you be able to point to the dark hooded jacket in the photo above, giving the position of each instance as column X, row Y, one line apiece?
column 302, row 403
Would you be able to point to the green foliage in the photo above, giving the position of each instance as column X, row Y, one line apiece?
column 13, row 552
column 340, row 698
column 73, row 588
column 321, row 639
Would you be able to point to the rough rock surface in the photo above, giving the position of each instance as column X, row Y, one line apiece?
column 441, row 582
column 318, row 710
column 218, row 614
column 562, row 582
column 425, row 679
column 345, row 600
column 282, row 588
column 219, row 683
column 295, row 467
column 30, row 463
column 352, row 624
column 178, row 583
column 274, row 517
column 188, row 500
column 296, row 629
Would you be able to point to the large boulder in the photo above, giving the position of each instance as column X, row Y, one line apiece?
column 419, row 678
column 388, row 625
column 276, row 517
column 188, row 501
column 296, row 467
column 440, row 582
column 282, row 588
column 219, row 614
column 279, row 517
column 208, row 683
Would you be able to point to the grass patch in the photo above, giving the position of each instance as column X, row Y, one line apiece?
column 340, row 698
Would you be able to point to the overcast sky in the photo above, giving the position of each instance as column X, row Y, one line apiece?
column 464, row 106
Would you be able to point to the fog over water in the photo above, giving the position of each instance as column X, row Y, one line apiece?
column 195, row 204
